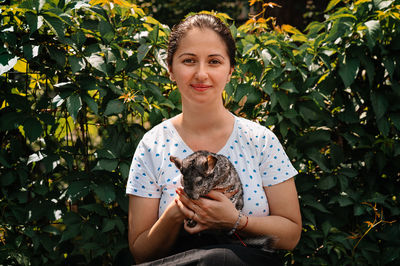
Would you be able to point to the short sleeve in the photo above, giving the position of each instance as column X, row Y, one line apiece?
column 142, row 175
column 275, row 165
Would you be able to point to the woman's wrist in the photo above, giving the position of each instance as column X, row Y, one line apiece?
column 236, row 224
column 243, row 224
column 175, row 213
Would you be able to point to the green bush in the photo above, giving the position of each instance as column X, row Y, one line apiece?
column 81, row 83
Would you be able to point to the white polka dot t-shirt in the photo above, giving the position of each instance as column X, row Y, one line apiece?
column 254, row 150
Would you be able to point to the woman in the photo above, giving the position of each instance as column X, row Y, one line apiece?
column 201, row 58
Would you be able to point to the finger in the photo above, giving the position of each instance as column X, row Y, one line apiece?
column 231, row 193
column 196, row 229
column 188, row 213
column 216, row 195
column 191, row 204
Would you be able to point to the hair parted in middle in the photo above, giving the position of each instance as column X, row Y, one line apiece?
column 201, row 21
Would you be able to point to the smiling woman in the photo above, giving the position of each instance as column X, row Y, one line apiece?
column 201, row 68
column 201, row 57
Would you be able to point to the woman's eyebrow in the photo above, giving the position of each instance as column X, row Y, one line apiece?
column 219, row 55
column 191, row 54
column 186, row 54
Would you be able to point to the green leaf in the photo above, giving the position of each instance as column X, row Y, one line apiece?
column 124, row 170
column 7, row 179
column 97, row 208
column 143, row 50
column 153, row 34
column 79, row 39
column 348, row 70
column 77, row 64
column 70, row 232
column 383, row 126
column 283, row 100
column 3, row 158
column 31, row 51
column 395, row 118
column 34, row 21
column 389, row 65
column 78, row 189
column 379, row 103
column 97, row 62
column 106, row 31
column 266, row 57
column 373, row 32
column 289, row 86
column 57, row 55
column 74, row 104
column 310, row 201
column 33, row 128
column 10, row 63
column 108, row 225
column 327, row 182
column 320, row 160
column 337, row 155
column 105, row 192
column 106, row 164
column 91, row 103
column 326, row 227
column 114, row 107
column 51, row 230
column 331, row 5
column 55, row 23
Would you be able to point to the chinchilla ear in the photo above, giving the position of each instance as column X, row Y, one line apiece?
column 176, row 161
column 211, row 162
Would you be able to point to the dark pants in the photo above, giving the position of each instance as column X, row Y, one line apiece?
column 204, row 250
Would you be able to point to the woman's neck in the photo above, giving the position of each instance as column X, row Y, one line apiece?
column 203, row 120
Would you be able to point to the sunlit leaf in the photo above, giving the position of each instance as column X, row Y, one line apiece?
column 5, row 67
column 97, row 62
column 331, row 5
column 21, row 66
column 373, row 32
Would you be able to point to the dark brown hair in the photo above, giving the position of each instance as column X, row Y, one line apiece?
column 201, row 21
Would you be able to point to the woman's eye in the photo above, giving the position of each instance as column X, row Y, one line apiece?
column 214, row 62
column 188, row 61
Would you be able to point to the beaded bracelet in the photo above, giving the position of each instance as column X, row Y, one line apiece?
column 233, row 230
column 244, row 226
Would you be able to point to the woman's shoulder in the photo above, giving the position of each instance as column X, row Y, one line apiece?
column 158, row 131
column 251, row 127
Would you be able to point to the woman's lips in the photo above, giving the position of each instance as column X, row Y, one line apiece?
column 200, row 87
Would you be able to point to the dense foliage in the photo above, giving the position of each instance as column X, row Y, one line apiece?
column 81, row 82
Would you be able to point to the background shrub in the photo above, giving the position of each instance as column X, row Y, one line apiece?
column 81, row 83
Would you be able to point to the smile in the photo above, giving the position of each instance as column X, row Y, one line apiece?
column 200, row 87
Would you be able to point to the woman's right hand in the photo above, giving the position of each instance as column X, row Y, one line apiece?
column 214, row 212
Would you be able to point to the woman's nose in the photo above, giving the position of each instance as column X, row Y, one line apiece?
column 201, row 72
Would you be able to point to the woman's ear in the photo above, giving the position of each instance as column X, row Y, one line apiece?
column 171, row 75
column 230, row 74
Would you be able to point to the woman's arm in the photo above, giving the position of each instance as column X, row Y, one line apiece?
column 149, row 237
column 284, row 222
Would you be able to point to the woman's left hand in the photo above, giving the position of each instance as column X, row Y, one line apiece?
column 214, row 212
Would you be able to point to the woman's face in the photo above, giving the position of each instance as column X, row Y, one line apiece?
column 201, row 67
